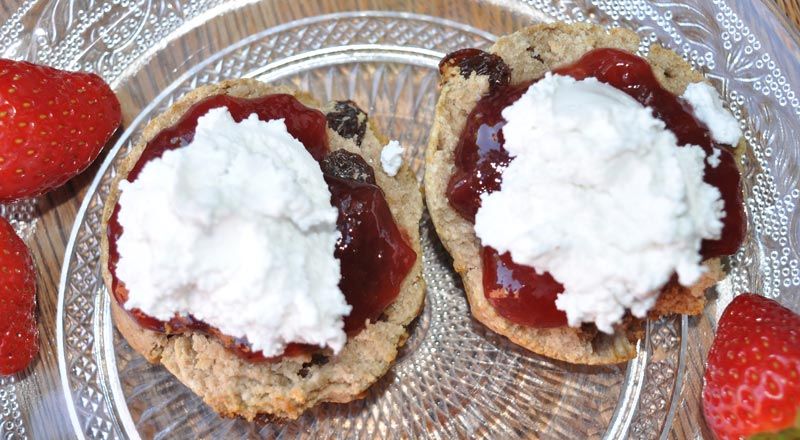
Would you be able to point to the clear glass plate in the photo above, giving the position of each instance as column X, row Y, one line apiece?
column 454, row 378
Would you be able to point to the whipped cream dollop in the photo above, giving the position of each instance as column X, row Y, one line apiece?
column 707, row 107
column 714, row 158
column 392, row 158
column 237, row 230
column 599, row 194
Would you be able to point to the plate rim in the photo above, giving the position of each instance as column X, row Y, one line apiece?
column 141, row 117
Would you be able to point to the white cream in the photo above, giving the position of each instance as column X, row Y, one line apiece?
column 714, row 160
column 236, row 229
column 708, row 108
column 599, row 195
column 392, row 158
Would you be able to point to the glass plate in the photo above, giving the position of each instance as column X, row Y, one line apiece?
column 454, row 378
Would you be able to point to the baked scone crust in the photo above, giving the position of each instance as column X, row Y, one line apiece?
column 236, row 388
column 530, row 53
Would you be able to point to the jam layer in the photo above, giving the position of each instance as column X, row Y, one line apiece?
column 480, row 157
column 374, row 254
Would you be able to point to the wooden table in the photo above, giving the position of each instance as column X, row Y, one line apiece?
column 56, row 212
column 791, row 8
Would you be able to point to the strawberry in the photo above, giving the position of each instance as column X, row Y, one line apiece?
column 53, row 124
column 19, row 336
column 752, row 378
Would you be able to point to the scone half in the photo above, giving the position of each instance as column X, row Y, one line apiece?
column 234, row 387
column 530, row 53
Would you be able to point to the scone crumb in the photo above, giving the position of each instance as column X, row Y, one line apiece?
column 499, row 294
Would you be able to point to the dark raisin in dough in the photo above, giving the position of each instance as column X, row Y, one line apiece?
column 480, row 62
column 347, row 165
column 348, row 120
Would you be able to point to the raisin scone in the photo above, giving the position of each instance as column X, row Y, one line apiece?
column 236, row 386
column 520, row 57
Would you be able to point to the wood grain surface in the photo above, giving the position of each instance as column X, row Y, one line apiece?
column 792, row 9
column 47, row 418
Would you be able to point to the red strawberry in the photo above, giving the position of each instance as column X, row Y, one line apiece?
column 19, row 336
column 53, row 124
column 752, row 379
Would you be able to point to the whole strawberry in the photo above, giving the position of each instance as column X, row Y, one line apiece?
column 19, row 336
column 53, row 124
column 752, row 379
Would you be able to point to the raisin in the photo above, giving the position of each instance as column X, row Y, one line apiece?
column 348, row 120
column 534, row 55
column 480, row 62
column 316, row 359
column 347, row 165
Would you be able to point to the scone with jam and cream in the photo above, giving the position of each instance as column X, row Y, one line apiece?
column 581, row 188
column 264, row 250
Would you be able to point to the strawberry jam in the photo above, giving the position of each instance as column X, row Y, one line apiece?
column 480, row 158
column 374, row 254
column 370, row 247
